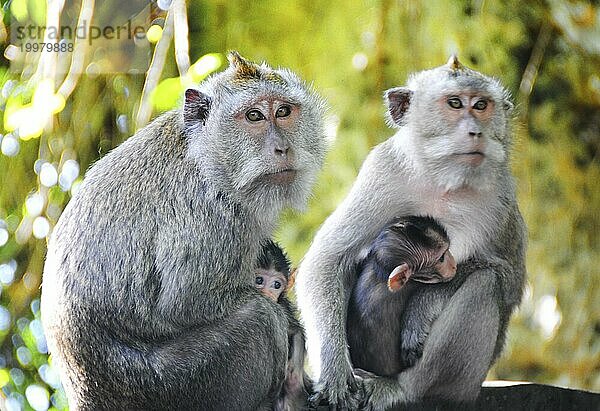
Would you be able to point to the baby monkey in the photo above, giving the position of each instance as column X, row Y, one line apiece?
column 381, row 322
column 273, row 272
column 273, row 279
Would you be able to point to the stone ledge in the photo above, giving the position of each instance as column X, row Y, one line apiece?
column 516, row 396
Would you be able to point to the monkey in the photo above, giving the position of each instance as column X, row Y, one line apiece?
column 449, row 159
column 408, row 248
column 274, row 279
column 148, row 299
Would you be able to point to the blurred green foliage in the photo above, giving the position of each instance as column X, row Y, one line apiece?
column 546, row 52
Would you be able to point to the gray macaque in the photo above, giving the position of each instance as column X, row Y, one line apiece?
column 409, row 254
column 148, row 299
column 273, row 278
column 450, row 160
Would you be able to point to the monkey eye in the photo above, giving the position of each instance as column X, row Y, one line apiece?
column 442, row 258
column 480, row 105
column 455, row 102
column 277, row 285
column 254, row 115
column 259, row 280
column 283, row 111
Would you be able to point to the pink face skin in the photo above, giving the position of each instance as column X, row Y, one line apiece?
column 471, row 113
column 274, row 119
column 445, row 267
column 270, row 282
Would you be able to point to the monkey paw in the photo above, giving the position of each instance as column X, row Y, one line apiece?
column 411, row 348
column 409, row 356
column 381, row 393
column 343, row 394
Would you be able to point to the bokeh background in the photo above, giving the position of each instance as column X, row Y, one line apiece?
column 546, row 52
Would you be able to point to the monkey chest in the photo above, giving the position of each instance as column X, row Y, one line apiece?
column 469, row 221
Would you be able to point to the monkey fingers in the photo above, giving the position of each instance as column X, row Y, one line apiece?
column 362, row 374
column 321, row 400
column 381, row 393
column 348, row 399
column 315, row 399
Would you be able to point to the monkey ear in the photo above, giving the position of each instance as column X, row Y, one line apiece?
column 195, row 107
column 508, row 105
column 399, row 277
column 397, row 100
column 291, row 279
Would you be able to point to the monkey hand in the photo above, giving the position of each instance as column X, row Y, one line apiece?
column 380, row 393
column 411, row 347
column 342, row 394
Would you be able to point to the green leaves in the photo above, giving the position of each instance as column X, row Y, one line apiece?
column 167, row 95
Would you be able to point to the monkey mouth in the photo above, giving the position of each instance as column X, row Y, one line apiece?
column 281, row 177
column 473, row 158
column 431, row 278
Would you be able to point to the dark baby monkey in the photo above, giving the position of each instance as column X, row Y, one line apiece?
column 410, row 248
column 274, row 278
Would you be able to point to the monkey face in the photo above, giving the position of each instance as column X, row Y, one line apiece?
column 459, row 124
column 463, row 143
column 441, row 270
column 270, row 125
column 277, row 146
column 271, row 283
column 262, row 134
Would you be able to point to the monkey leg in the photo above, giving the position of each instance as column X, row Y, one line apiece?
column 236, row 363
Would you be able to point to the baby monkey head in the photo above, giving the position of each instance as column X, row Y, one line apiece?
column 456, row 123
column 272, row 273
column 413, row 248
column 257, row 133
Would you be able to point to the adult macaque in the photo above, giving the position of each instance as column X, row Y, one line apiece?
column 273, row 279
column 411, row 248
column 450, row 160
column 147, row 298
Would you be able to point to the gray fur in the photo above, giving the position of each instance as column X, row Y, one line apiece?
column 297, row 385
column 147, row 298
column 413, row 173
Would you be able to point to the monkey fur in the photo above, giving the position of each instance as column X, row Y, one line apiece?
column 414, row 245
column 449, row 159
column 147, row 297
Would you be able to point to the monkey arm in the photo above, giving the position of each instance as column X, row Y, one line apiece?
column 423, row 308
column 296, row 348
column 326, row 276
column 297, row 385
column 201, row 356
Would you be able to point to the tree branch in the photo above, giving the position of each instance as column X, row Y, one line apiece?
column 154, row 72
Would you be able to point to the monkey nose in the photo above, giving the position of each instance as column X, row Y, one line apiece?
column 273, row 296
column 281, row 151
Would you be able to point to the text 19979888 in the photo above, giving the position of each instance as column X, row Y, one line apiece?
column 49, row 47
